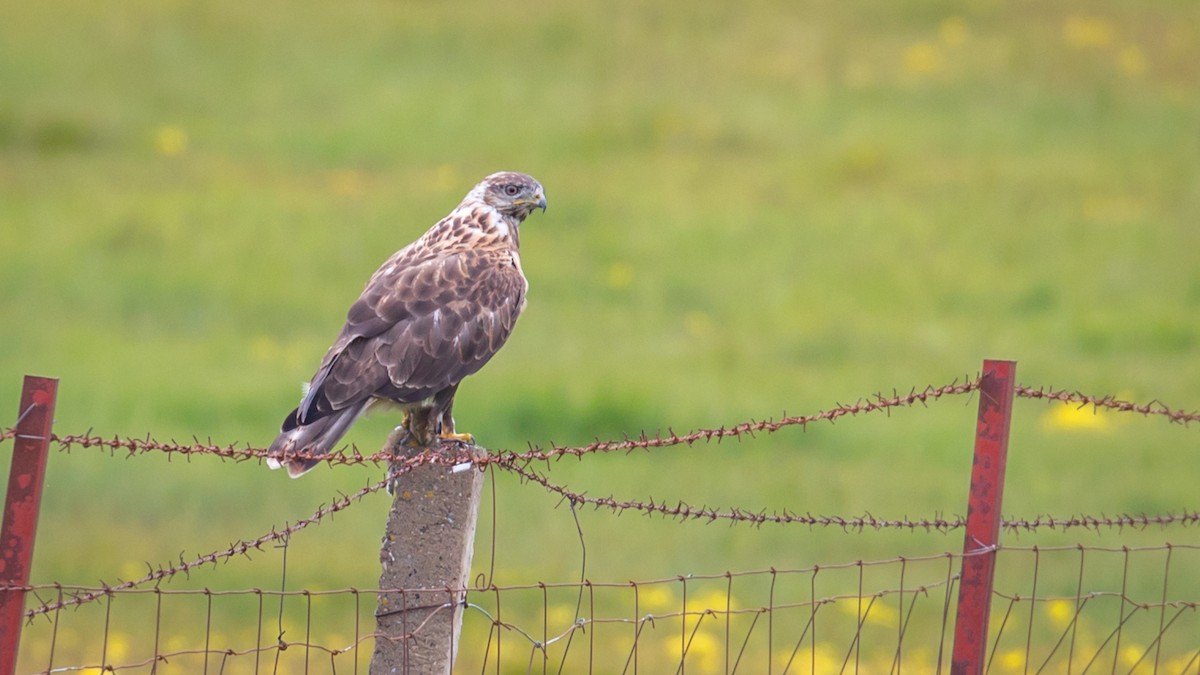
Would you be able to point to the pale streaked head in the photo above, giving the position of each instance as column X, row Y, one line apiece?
column 513, row 194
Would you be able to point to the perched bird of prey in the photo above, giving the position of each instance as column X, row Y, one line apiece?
column 432, row 314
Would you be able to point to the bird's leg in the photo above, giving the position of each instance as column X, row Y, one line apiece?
column 405, row 434
column 403, row 443
column 447, row 432
column 444, row 403
column 422, row 428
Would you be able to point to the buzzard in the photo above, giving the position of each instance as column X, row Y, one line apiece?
column 432, row 314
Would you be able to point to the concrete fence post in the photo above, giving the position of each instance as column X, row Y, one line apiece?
column 426, row 561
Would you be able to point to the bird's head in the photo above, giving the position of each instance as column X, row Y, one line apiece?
column 513, row 194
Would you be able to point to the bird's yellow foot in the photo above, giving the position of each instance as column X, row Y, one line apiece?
column 461, row 438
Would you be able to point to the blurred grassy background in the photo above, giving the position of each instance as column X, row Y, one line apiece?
column 753, row 208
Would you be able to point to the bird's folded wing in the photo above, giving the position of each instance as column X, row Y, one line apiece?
column 418, row 329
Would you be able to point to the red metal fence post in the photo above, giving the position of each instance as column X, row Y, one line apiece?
column 30, row 446
column 983, row 517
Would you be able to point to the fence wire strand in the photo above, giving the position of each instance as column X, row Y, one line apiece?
column 680, row 510
column 350, row 455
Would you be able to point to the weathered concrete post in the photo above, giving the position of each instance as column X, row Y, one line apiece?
column 428, row 545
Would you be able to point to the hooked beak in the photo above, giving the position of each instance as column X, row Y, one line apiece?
column 538, row 201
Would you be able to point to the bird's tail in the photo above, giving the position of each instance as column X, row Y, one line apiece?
column 315, row 438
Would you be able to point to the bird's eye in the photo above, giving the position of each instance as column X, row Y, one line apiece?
column 511, row 190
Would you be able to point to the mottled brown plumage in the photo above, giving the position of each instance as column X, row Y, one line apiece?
column 434, row 313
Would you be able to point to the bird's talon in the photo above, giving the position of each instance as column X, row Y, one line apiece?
column 461, row 438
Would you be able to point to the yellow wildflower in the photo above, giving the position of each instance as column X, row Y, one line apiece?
column 1011, row 660
column 1082, row 32
column 954, row 31
column 1071, row 416
column 559, row 617
column 1131, row 60
column 824, row 658
column 878, row 613
column 264, row 348
column 170, row 140
column 1060, row 613
column 698, row 324
column 656, row 599
column 704, row 651
column 922, row 58
column 620, row 275
column 1132, row 654
column 347, row 183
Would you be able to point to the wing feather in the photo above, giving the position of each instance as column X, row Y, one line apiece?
column 419, row 329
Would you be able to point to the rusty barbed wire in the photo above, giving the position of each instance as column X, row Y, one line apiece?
column 875, row 403
column 1154, row 407
column 350, row 455
column 1096, row 523
column 683, row 511
column 237, row 452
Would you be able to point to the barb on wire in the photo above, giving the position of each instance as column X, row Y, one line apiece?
column 1154, row 407
column 1118, row 522
column 135, row 446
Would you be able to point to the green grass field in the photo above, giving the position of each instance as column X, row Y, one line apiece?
column 753, row 209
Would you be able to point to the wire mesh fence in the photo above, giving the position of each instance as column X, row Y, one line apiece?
column 1056, row 610
column 1071, row 608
